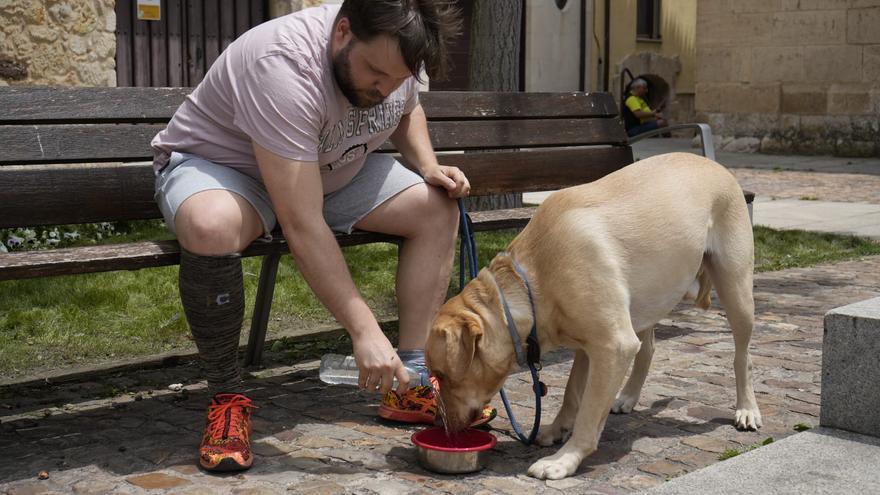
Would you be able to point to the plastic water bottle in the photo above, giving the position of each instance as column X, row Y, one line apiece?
column 337, row 369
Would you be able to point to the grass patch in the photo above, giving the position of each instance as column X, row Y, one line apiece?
column 79, row 319
column 50, row 323
column 779, row 249
column 727, row 454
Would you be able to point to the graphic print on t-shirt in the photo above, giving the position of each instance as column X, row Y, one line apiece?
column 349, row 156
column 358, row 123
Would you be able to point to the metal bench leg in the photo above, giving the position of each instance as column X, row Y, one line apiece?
column 262, row 305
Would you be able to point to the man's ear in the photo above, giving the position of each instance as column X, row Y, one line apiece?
column 461, row 345
column 343, row 25
column 342, row 32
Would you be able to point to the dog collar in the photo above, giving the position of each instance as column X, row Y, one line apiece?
column 532, row 356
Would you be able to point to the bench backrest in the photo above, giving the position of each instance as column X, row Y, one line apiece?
column 76, row 155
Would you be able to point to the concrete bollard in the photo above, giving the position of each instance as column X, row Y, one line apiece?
column 851, row 368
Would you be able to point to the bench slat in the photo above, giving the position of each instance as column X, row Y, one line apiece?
column 31, row 105
column 113, row 191
column 76, row 193
column 28, row 105
column 459, row 105
column 133, row 256
column 76, row 143
column 537, row 170
column 125, row 142
column 148, row 254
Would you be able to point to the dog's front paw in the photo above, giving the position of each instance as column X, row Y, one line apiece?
column 748, row 419
column 624, row 404
column 556, row 466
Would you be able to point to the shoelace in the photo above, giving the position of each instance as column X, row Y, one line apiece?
column 227, row 417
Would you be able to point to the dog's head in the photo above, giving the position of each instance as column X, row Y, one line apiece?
column 469, row 351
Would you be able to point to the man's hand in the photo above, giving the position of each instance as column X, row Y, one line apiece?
column 412, row 140
column 378, row 364
column 450, row 178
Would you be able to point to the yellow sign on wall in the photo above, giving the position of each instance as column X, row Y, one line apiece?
column 149, row 10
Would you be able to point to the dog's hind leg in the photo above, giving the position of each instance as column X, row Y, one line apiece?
column 629, row 395
column 732, row 278
column 611, row 353
column 561, row 427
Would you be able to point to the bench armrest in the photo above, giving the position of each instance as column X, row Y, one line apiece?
column 705, row 136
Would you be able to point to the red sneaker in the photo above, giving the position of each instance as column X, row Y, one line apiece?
column 418, row 405
column 226, row 445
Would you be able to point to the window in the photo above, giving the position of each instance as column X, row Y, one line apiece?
column 648, row 20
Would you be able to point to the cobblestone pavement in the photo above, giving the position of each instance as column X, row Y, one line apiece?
column 128, row 433
column 788, row 184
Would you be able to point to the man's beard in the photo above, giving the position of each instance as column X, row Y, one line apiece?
column 342, row 73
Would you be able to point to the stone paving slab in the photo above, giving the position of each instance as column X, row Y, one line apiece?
column 822, row 216
column 733, row 159
column 809, row 186
column 311, row 438
column 822, row 461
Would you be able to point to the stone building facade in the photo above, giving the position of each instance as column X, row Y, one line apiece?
column 668, row 62
column 64, row 43
column 791, row 75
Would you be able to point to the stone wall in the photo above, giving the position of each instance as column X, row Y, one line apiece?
column 791, row 75
column 59, row 43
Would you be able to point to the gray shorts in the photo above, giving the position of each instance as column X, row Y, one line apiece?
column 380, row 178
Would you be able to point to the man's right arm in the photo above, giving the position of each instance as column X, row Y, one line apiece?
column 297, row 198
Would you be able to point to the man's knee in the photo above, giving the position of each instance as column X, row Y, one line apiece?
column 216, row 223
column 209, row 235
column 443, row 210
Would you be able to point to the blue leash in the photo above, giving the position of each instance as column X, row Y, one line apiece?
column 468, row 251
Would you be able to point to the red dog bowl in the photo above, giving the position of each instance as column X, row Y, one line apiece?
column 463, row 452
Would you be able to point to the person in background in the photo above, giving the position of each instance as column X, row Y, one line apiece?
column 636, row 103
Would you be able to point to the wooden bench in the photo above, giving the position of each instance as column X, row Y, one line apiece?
column 81, row 155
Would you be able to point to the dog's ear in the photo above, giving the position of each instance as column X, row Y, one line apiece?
column 462, row 334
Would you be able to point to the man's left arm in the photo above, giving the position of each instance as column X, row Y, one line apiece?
column 412, row 140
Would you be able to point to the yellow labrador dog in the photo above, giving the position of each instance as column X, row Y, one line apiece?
column 605, row 261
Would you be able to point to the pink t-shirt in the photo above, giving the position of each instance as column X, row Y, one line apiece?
column 274, row 85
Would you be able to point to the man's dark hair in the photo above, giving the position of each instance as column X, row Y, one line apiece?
column 423, row 28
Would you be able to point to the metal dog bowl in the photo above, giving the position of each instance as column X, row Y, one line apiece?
column 464, row 452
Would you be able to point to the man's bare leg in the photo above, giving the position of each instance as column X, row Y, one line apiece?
column 428, row 221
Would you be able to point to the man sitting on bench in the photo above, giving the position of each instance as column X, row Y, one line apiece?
column 281, row 133
column 635, row 102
